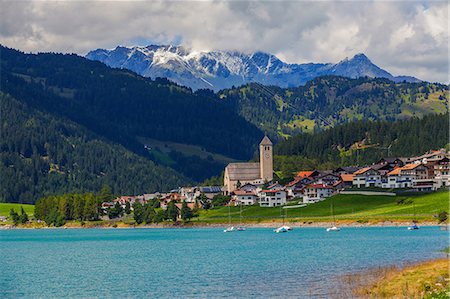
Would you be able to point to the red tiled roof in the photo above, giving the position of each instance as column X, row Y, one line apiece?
column 295, row 181
column 362, row 170
column 304, row 174
column 347, row 177
column 406, row 167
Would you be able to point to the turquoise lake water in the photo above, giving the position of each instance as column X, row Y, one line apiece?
column 199, row 263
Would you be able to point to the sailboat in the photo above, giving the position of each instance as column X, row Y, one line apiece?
column 414, row 225
column 230, row 228
column 334, row 228
column 283, row 228
column 240, row 227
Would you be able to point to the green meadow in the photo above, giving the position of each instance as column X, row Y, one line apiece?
column 346, row 207
column 6, row 207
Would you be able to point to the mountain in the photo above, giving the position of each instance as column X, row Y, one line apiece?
column 217, row 70
column 330, row 100
column 185, row 135
column 44, row 154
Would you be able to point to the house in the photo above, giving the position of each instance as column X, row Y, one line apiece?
column 441, row 172
column 272, row 198
column 254, row 173
column 316, row 192
column 391, row 161
column 367, row 177
column 327, row 179
column 346, row 170
column 177, row 197
column 210, row 191
column 404, row 177
column 295, row 187
column 274, row 186
column 347, row 180
column 384, row 169
column 190, row 193
column 245, row 198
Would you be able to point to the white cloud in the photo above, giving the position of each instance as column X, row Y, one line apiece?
column 404, row 37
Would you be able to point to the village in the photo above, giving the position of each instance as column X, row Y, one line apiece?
column 253, row 183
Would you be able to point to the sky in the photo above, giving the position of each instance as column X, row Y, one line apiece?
column 402, row 37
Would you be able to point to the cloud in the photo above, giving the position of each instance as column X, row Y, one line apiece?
column 404, row 37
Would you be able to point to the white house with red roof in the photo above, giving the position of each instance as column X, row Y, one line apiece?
column 408, row 176
column 316, row 192
column 272, row 198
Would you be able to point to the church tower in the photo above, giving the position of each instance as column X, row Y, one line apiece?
column 266, row 159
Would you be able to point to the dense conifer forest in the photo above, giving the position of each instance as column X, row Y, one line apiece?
column 362, row 142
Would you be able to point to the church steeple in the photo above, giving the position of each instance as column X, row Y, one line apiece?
column 266, row 159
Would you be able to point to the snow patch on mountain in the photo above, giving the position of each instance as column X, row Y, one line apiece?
column 221, row 69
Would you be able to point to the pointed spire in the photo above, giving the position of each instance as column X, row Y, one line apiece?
column 266, row 141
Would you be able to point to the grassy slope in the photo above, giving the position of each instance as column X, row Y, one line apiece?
column 345, row 207
column 425, row 280
column 6, row 207
column 356, row 207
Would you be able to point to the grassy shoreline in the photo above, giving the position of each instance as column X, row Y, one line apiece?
column 426, row 279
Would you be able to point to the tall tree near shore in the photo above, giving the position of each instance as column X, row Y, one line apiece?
column 172, row 211
column 23, row 218
column 186, row 212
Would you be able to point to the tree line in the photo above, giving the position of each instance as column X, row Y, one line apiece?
column 362, row 143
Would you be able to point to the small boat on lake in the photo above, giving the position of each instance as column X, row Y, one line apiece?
column 334, row 228
column 240, row 227
column 413, row 227
column 230, row 229
column 284, row 228
column 281, row 229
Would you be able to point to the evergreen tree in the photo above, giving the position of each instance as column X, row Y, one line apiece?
column 23, row 218
column 105, row 194
column 127, row 208
column 186, row 212
column 14, row 216
column 138, row 212
column 172, row 211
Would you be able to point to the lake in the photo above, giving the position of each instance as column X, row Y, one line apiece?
column 199, row 263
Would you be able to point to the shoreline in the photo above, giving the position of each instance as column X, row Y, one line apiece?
column 193, row 225
column 411, row 280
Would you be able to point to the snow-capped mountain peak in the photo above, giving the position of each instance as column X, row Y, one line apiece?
column 222, row 69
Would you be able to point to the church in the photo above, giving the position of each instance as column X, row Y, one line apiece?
column 250, row 173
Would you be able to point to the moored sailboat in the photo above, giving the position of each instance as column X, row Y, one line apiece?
column 334, row 228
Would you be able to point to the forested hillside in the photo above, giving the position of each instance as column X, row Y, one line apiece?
column 42, row 154
column 363, row 142
column 328, row 101
column 132, row 111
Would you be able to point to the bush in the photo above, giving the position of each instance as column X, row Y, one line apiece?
column 442, row 216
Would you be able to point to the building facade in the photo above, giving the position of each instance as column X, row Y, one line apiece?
column 255, row 173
